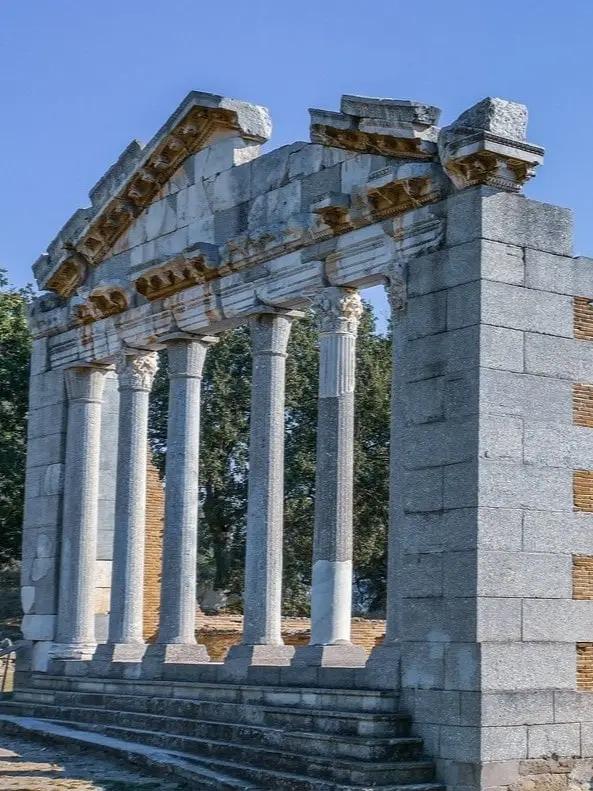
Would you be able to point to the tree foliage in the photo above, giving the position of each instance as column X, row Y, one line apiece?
column 15, row 348
column 224, row 461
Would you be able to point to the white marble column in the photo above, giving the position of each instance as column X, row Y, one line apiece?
column 76, row 609
column 135, row 374
column 338, row 312
column 262, row 640
column 177, row 626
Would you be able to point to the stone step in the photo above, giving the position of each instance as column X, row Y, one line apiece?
column 328, row 721
column 335, row 699
column 261, row 760
column 149, row 758
column 321, row 744
column 207, row 773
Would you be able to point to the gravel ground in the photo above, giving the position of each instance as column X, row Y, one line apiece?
column 34, row 766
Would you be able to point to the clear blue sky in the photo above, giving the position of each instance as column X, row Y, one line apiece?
column 80, row 78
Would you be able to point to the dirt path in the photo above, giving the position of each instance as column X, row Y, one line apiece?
column 32, row 766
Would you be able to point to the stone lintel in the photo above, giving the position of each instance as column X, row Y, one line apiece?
column 335, row 655
column 260, row 655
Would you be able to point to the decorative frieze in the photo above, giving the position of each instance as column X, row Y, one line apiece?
column 105, row 300
column 199, row 264
column 394, row 190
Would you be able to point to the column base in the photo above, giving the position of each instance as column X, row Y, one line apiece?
column 108, row 655
column 78, row 651
column 260, row 655
column 335, row 655
column 158, row 655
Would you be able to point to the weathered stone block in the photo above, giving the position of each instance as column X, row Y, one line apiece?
column 525, row 309
column 463, row 305
column 547, row 740
column 511, row 485
column 517, row 708
column 560, row 274
column 518, row 666
column 524, row 574
column 557, row 620
column 506, row 393
column 423, row 490
column 427, row 314
column 499, row 619
column 501, row 437
column 502, row 348
column 560, row 357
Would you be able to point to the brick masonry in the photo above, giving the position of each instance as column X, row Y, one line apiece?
column 582, row 487
column 582, row 405
column 583, row 318
column 585, row 666
column 582, row 577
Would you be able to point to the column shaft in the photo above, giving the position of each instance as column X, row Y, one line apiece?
column 180, row 541
column 263, row 569
column 331, row 595
column 136, row 374
column 76, row 611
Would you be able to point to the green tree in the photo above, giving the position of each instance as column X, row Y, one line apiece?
column 15, row 346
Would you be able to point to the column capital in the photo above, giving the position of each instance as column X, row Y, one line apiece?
column 270, row 333
column 338, row 310
column 136, row 370
column 84, row 383
column 186, row 355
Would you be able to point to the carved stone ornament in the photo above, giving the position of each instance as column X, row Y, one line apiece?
column 338, row 310
column 68, row 277
column 176, row 274
column 136, row 371
column 103, row 301
column 394, row 190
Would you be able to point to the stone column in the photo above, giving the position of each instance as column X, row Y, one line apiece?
column 76, row 611
column 338, row 311
column 136, row 373
column 180, row 542
column 262, row 641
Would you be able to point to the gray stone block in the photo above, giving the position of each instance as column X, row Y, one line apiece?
column 550, row 740
column 445, row 353
column 573, row 706
column 561, row 621
column 503, row 263
column 499, row 619
column 525, row 309
column 524, row 574
column 503, row 743
column 444, row 269
column 423, row 490
column 460, row 743
column 423, row 665
column 424, row 400
column 438, row 620
column 558, row 445
column 318, row 184
column 461, row 395
column 440, row 707
column 463, row 305
column 501, row 348
column 558, row 532
column 587, row 739
column 459, row 574
column 421, row 575
column 439, row 531
column 43, row 451
column 501, row 437
column 427, row 314
column 229, row 187
column 560, row 357
column 437, row 444
column 511, row 485
column 558, row 273
column 38, row 627
column 517, row 708
column 500, row 528
column 460, row 486
column 41, row 511
column 519, row 666
column 506, row 393
column 462, row 664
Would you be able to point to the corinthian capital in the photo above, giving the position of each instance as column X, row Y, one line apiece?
column 338, row 309
column 136, row 371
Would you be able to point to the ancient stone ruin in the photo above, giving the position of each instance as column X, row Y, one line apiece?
column 485, row 676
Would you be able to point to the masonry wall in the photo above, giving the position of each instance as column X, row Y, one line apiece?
column 494, row 603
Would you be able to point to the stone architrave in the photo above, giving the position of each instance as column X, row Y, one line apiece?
column 338, row 312
column 76, row 615
column 136, row 373
column 176, row 639
column 262, row 640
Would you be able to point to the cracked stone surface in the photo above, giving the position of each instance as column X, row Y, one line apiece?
column 33, row 766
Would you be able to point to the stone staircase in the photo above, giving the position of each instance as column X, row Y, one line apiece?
column 243, row 736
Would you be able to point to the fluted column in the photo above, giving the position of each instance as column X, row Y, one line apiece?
column 136, row 374
column 262, row 640
column 338, row 312
column 76, row 611
column 186, row 358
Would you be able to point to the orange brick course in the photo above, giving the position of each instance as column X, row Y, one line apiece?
column 582, row 490
column 582, row 577
column 583, row 318
column 585, row 666
column 582, row 405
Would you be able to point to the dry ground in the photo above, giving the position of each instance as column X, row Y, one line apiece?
column 34, row 766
